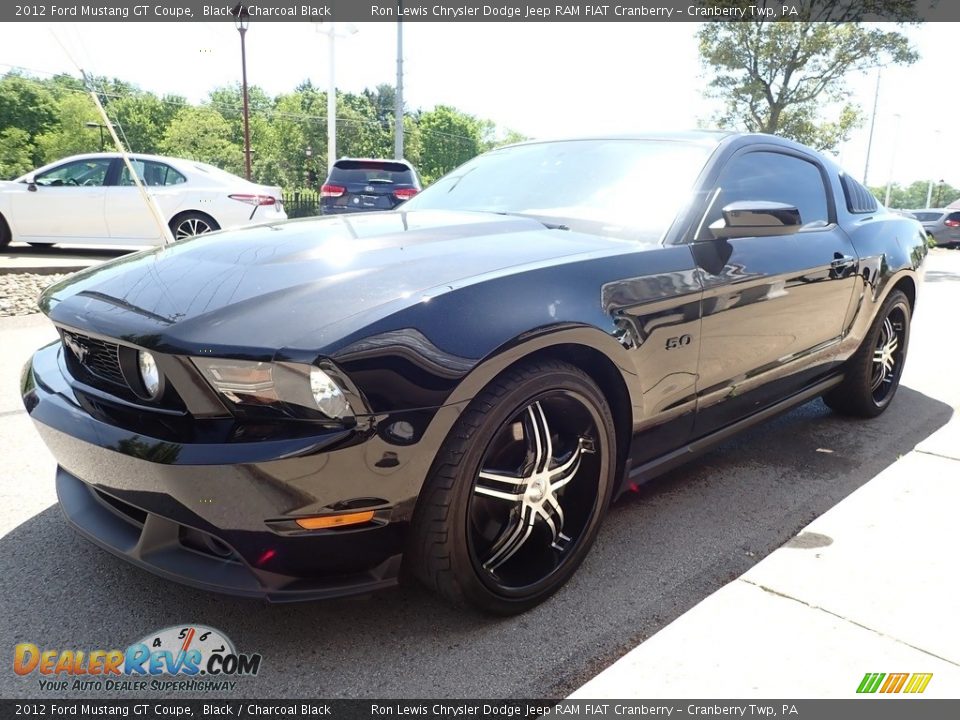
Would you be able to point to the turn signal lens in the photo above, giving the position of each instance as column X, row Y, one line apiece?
column 333, row 521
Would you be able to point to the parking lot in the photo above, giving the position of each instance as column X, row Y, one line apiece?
column 661, row 551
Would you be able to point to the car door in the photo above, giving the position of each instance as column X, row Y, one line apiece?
column 772, row 306
column 64, row 203
column 128, row 216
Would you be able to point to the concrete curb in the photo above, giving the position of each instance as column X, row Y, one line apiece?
column 42, row 269
column 870, row 586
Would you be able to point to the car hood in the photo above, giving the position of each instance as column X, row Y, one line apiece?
column 264, row 287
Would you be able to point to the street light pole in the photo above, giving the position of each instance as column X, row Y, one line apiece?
column 936, row 146
column 241, row 17
column 330, row 30
column 893, row 160
column 98, row 125
column 398, row 109
column 873, row 121
column 332, row 104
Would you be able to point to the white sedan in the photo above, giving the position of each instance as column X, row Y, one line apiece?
column 91, row 199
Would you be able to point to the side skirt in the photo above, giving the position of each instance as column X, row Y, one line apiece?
column 665, row 463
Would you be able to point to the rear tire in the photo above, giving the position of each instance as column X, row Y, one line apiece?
column 189, row 224
column 5, row 235
column 872, row 375
column 517, row 492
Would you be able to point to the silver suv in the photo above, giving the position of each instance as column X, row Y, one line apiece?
column 943, row 225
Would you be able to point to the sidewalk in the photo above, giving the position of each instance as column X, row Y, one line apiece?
column 870, row 586
column 20, row 258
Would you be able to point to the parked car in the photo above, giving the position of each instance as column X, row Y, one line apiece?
column 943, row 225
column 363, row 185
column 461, row 387
column 91, row 199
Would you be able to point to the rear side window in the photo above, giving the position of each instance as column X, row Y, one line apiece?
column 360, row 171
column 859, row 199
column 775, row 177
column 151, row 173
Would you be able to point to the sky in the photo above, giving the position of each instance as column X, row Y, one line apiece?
column 540, row 79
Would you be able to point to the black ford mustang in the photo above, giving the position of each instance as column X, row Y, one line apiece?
column 464, row 384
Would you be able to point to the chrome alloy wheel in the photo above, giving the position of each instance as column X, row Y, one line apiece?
column 191, row 226
column 535, row 492
column 888, row 355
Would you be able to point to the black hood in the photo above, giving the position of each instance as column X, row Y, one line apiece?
column 264, row 287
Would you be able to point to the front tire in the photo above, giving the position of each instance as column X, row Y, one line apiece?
column 873, row 374
column 517, row 492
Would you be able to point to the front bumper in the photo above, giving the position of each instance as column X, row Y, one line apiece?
column 221, row 517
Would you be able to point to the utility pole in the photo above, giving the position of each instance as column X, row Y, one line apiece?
column 873, row 122
column 936, row 147
column 398, row 99
column 893, row 160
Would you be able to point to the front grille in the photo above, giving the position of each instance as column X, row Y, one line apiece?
column 97, row 357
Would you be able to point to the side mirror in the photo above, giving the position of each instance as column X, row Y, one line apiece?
column 756, row 218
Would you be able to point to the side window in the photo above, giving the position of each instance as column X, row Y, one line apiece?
column 774, row 177
column 125, row 179
column 153, row 174
column 76, row 173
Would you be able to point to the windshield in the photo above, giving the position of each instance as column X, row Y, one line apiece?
column 623, row 188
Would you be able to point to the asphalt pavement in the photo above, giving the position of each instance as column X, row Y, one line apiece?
column 660, row 552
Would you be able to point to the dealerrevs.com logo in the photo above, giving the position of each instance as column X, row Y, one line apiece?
column 184, row 658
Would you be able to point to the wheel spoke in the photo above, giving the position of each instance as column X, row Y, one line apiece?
column 508, row 479
column 555, row 504
column 562, row 475
column 490, row 492
column 511, row 540
column 543, row 445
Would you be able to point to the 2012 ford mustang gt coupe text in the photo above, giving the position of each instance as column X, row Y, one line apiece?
column 460, row 387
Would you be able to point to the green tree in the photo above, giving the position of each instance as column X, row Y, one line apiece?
column 201, row 133
column 71, row 135
column 16, row 153
column 449, row 138
column 143, row 118
column 26, row 104
column 777, row 77
column 914, row 195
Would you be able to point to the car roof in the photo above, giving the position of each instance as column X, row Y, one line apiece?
column 702, row 136
column 144, row 156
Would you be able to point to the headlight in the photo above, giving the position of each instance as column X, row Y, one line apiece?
column 327, row 395
column 303, row 391
column 149, row 373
